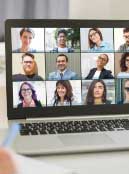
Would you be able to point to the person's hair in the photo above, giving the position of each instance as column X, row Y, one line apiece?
column 69, row 92
column 28, row 54
column 27, row 30
column 122, row 62
column 105, row 56
column 34, row 96
column 92, row 44
column 35, row 70
column 125, row 30
column 62, row 55
column 90, row 95
column 62, row 31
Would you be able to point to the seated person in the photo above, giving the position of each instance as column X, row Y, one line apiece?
column 61, row 43
column 125, row 46
column 95, row 40
column 30, row 69
column 26, row 36
column 100, row 72
column 124, row 65
column 97, row 93
column 28, row 96
column 62, row 72
column 63, row 95
column 125, row 93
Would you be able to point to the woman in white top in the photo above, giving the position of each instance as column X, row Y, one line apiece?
column 63, row 95
column 124, row 65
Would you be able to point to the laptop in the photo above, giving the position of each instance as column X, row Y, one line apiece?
column 68, row 84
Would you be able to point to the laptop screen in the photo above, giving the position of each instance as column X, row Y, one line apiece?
column 67, row 67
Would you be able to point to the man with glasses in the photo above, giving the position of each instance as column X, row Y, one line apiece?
column 100, row 72
column 125, row 46
column 62, row 72
column 29, row 68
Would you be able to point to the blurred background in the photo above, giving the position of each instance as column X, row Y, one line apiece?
column 63, row 9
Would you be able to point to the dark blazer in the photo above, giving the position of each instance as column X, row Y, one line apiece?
column 37, row 103
column 105, row 74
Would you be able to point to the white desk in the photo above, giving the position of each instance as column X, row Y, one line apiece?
column 88, row 163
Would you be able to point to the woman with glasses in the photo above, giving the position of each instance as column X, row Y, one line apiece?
column 28, row 96
column 124, row 65
column 95, row 41
column 97, row 93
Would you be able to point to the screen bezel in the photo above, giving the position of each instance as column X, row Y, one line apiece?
column 14, row 113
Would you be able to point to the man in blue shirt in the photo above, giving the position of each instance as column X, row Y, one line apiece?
column 62, row 72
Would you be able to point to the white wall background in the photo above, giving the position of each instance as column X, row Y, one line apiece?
column 98, row 9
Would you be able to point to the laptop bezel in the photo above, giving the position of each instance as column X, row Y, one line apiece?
column 99, row 110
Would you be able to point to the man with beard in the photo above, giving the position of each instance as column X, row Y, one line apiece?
column 62, row 72
column 30, row 69
column 125, row 46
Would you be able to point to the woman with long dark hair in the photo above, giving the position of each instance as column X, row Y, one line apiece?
column 124, row 66
column 63, row 94
column 97, row 93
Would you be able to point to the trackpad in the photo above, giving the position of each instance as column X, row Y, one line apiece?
column 86, row 139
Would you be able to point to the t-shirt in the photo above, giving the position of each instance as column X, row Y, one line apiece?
column 96, row 75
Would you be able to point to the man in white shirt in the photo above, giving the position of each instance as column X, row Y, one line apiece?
column 100, row 72
column 61, row 43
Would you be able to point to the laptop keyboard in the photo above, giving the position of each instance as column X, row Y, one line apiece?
column 63, row 127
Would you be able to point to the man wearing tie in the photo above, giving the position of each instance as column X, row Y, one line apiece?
column 62, row 72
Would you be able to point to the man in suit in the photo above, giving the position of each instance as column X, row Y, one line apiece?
column 62, row 72
column 100, row 72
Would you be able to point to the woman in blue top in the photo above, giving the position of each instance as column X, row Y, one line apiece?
column 95, row 41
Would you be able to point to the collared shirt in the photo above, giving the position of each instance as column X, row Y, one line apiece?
column 123, row 47
column 104, row 46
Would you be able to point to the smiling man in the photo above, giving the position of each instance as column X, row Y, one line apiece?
column 100, row 72
column 125, row 46
column 61, row 42
column 29, row 68
column 62, row 72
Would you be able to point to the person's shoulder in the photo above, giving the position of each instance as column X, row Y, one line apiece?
column 37, row 77
column 19, row 105
column 52, row 75
column 38, row 103
column 70, row 50
column 54, row 50
column 16, row 50
column 19, row 77
column 121, row 47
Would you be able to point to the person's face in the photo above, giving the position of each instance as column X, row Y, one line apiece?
column 28, row 65
column 126, row 88
column 127, row 62
column 126, row 37
column 61, row 91
column 26, row 39
column 94, row 36
column 61, row 39
column 26, row 92
column 98, row 90
column 102, row 60
column 61, row 63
